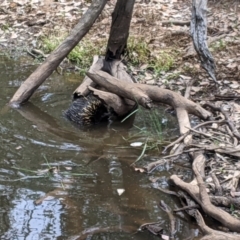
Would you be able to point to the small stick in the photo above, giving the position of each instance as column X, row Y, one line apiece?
column 219, row 191
column 183, row 136
column 186, row 208
column 172, row 219
column 206, row 135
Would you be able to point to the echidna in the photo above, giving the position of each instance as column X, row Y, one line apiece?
column 87, row 111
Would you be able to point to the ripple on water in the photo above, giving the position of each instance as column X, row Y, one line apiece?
column 77, row 195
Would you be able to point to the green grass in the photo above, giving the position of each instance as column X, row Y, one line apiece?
column 138, row 52
column 218, row 46
column 82, row 54
column 151, row 129
column 5, row 26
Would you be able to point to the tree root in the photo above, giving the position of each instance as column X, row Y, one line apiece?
column 211, row 234
column 199, row 194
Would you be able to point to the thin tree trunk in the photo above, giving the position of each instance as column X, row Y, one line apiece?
column 121, row 19
column 199, row 36
column 26, row 90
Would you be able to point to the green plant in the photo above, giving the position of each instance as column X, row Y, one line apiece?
column 218, row 45
column 139, row 52
column 163, row 62
column 150, row 132
column 5, row 26
column 156, row 124
column 82, row 54
column 173, row 76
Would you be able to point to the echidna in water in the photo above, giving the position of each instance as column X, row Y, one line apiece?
column 88, row 111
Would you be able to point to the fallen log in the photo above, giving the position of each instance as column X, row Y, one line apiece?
column 144, row 95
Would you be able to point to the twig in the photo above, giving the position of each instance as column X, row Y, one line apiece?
column 219, row 191
column 183, row 136
column 228, row 121
column 177, row 23
column 154, row 165
column 151, row 223
column 172, row 219
column 206, row 135
column 167, row 191
column 186, row 208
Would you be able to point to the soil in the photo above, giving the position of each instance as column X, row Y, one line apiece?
column 163, row 24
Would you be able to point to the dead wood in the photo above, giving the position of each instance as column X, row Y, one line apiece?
column 225, row 201
column 199, row 194
column 118, row 104
column 144, row 95
column 171, row 217
column 211, row 234
column 199, row 36
column 83, row 89
column 183, row 136
column 227, row 118
column 175, row 22
column 121, row 19
column 194, row 193
column 26, row 90
column 199, row 161
column 117, row 70
column 226, row 97
column 232, row 151
column 218, row 187
column 190, row 51
column 225, row 218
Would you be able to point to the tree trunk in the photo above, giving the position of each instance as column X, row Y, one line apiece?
column 199, row 36
column 121, row 19
column 45, row 70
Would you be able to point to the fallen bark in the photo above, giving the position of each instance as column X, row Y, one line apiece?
column 26, row 90
column 144, row 95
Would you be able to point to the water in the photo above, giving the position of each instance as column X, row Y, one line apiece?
column 60, row 182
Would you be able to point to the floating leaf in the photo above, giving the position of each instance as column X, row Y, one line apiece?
column 136, row 144
column 120, row 191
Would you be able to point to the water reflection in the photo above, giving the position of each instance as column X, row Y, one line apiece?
column 25, row 220
column 81, row 199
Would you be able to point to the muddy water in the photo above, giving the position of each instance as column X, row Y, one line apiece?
column 60, row 182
